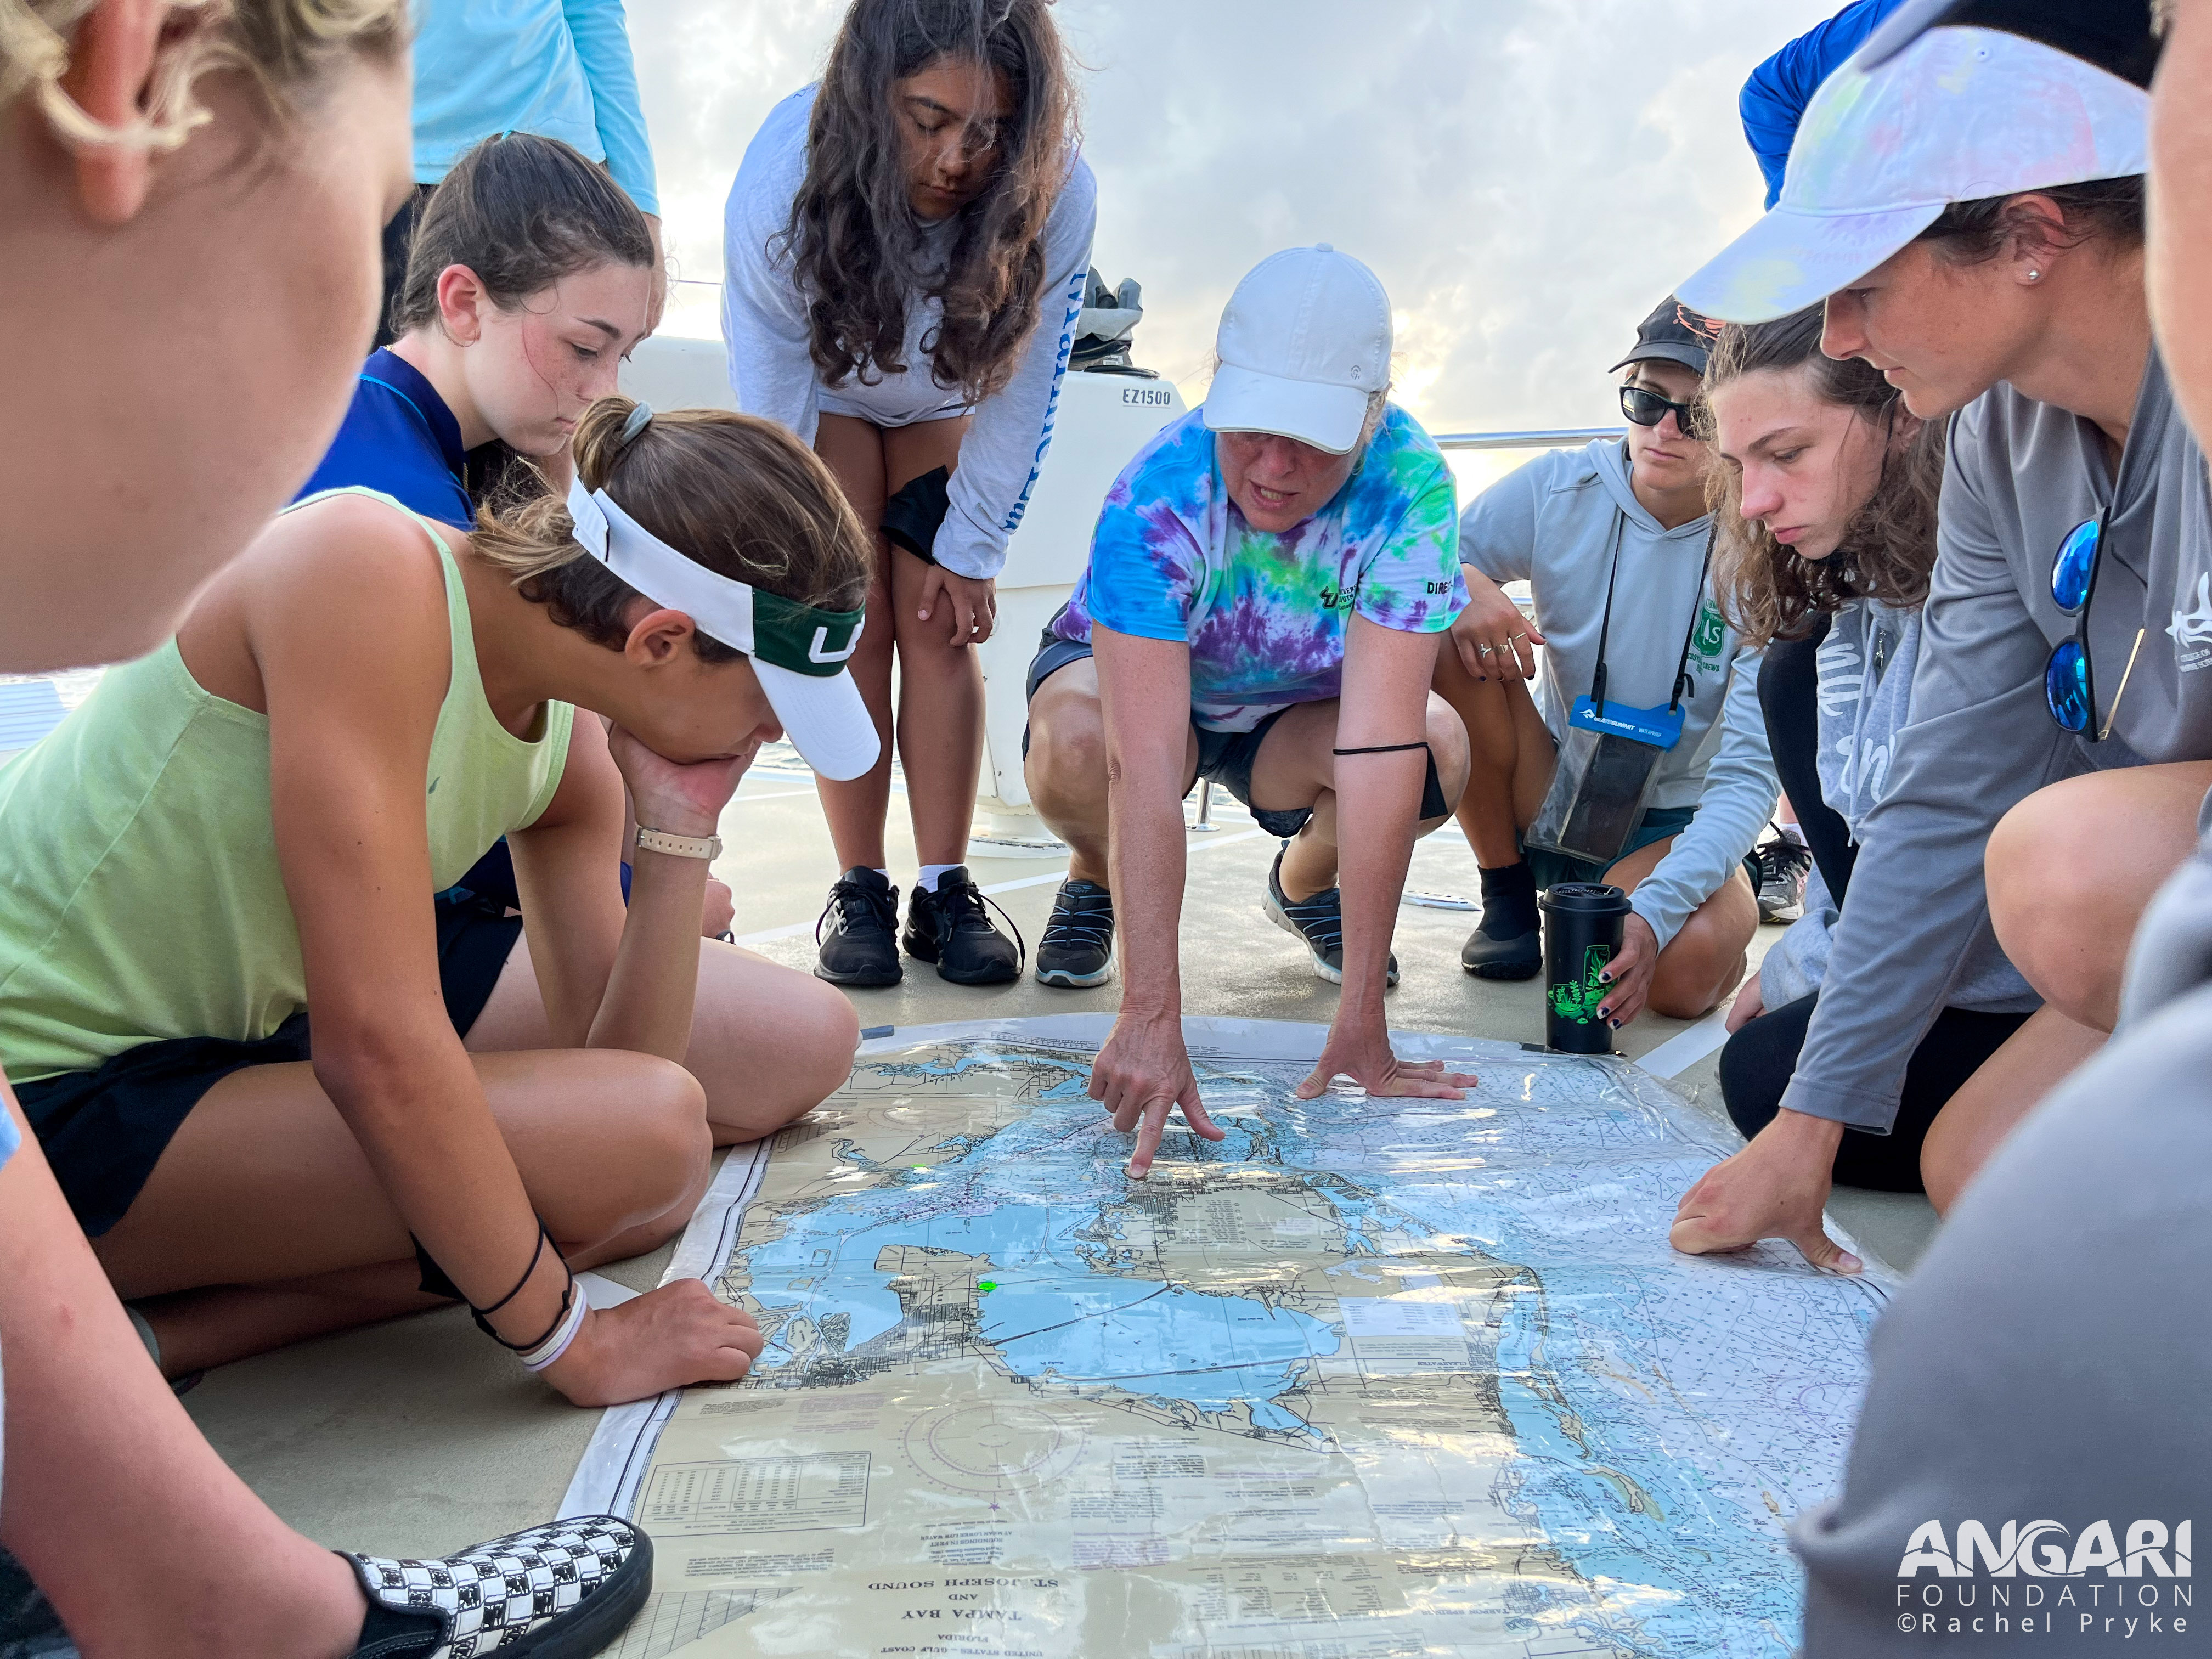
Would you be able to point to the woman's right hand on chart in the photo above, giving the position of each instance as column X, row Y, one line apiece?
column 666, row 1338
column 678, row 798
column 1776, row 1187
column 1494, row 639
column 1143, row 1071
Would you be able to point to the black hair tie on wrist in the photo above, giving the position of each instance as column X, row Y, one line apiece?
column 435, row 1282
column 1383, row 748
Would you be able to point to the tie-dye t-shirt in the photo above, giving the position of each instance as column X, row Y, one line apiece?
column 1265, row 612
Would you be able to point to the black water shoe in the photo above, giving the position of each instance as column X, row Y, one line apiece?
column 1507, row 942
column 950, row 928
column 861, row 947
column 1077, row 946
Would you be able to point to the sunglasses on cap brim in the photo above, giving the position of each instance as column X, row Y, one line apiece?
column 800, row 638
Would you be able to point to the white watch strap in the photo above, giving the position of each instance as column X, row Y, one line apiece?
column 682, row 846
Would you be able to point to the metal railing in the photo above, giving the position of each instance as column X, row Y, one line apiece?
column 1561, row 438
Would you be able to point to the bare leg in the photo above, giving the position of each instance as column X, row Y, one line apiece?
column 853, row 451
column 1295, row 768
column 2009, row 1085
column 265, row 1188
column 1705, row 961
column 2071, row 868
column 1067, row 767
column 768, row 1045
column 1510, row 757
column 143, row 1540
column 940, row 684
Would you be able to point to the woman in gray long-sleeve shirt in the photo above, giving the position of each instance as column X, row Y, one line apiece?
column 2023, row 314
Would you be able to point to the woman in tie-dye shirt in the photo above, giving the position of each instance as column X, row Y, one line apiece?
column 1266, row 586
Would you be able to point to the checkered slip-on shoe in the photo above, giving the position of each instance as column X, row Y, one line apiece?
column 564, row 1591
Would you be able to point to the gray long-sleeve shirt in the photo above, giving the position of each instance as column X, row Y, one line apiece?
column 1558, row 523
column 2019, row 476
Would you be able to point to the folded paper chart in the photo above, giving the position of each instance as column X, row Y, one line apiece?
column 1369, row 1378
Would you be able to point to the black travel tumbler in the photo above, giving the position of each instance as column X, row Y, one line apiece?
column 1582, row 926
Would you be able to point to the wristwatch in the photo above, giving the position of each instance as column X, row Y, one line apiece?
column 682, row 846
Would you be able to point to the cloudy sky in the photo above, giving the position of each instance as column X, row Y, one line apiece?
column 1527, row 177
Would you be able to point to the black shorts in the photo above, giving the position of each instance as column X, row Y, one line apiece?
column 104, row 1130
column 1224, row 757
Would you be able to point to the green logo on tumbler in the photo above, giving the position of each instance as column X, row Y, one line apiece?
column 1578, row 1001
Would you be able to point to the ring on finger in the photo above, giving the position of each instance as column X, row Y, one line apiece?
column 1485, row 650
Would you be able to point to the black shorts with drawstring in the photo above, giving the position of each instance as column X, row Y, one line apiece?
column 1226, row 757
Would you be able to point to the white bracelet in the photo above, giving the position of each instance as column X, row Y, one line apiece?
column 546, row 1352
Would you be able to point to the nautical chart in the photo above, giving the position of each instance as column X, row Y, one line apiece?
column 1369, row 1378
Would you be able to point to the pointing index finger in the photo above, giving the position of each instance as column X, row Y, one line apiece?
column 1150, row 1128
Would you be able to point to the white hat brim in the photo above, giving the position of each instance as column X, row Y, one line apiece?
column 1328, row 417
column 1791, row 259
column 825, row 718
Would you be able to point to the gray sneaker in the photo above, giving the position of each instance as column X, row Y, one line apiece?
column 1317, row 922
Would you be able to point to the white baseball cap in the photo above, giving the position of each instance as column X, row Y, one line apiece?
column 1304, row 343
column 1960, row 115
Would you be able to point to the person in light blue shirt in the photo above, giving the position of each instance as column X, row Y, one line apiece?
column 560, row 69
column 1775, row 96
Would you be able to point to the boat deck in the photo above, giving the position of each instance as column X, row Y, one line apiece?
column 418, row 1436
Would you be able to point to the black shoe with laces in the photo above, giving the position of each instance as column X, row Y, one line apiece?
column 1318, row 922
column 950, row 928
column 1077, row 946
column 1783, row 865
column 861, row 948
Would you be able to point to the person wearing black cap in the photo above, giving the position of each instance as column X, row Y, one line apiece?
column 1613, row 540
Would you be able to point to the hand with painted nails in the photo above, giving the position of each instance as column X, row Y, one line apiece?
column 1142, row 1072
column 1776, row 1187
column 1628, row 976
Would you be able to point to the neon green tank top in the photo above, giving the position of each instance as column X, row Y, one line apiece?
column 140, row 896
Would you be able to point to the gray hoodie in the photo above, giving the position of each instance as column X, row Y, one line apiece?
column 2019, row 476
column 1864, row 698
column 1556, row 524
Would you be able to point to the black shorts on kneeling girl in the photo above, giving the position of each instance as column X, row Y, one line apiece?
column 104, row 1130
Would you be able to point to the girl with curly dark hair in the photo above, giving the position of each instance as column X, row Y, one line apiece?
column 1825, row 503
column 905, row 249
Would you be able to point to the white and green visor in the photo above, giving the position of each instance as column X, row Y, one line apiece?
column 798, row 652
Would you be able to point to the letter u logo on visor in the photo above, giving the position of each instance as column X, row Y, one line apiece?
column 815, row 654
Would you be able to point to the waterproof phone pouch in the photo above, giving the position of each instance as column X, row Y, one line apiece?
column 1607, row 764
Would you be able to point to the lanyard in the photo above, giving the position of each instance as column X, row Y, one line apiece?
column 1684, row 685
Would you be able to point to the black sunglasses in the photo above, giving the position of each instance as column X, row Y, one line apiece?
column 1648, row 408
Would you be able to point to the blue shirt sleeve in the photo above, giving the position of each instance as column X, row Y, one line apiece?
column 1773, row 100
column 602, row 38
column 1145, row 561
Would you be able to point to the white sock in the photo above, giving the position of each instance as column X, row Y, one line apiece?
column 1791, row 832
column 886, row 875
column 927, row 881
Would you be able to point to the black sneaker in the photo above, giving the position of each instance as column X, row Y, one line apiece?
column 1318, row 922
column 862, row 948
column 949, row 928
column 1782, row 865
column 1077, row 946
column 564, row 1591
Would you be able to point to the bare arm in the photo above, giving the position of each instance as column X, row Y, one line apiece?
column 1378, row 804
column 1144, row 1068
column 613, row 978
